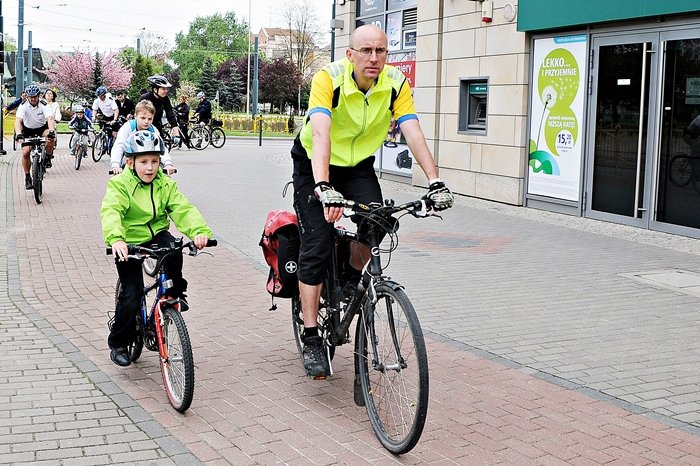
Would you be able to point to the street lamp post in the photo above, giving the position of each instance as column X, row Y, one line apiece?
column 247, row 89
column 19, row 63
column 4, row 95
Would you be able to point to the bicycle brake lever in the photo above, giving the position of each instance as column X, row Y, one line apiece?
column 423, row 212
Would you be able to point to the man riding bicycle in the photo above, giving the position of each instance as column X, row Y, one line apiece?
column 351, row 105
column 34, row 119
column 108, row 107
column 203, row 111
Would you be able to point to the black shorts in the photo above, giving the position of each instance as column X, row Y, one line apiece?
column 32, row 132
column 358, row 183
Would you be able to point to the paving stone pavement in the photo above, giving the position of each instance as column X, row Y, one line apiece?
column 542, row 349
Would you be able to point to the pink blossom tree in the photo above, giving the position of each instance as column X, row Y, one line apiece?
column 72, row 74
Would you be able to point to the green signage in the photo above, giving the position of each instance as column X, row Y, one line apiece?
column 539, row 15
column 478, row 88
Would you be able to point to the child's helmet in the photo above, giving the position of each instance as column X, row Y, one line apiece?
column 144, row 142
column 78, row 109
column 100, row 91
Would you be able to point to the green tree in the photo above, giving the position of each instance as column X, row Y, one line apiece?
column 97, row 78
column 231, row 86
column 142, row 68
column 218, row 37
column 207, row 81
column 279, row 83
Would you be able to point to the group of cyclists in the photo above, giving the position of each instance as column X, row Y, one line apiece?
column 333, row 159
column 37, row 116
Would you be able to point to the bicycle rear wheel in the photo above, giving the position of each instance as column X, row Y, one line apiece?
column 680, row 170
column 178, row 368
column 394, row 380
column 37, row 178
column 98, row 147
column 218, row 137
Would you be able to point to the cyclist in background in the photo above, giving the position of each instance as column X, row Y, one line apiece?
column 108, row 107
column 137, row 208
column 158, row 96
column 78, row 122
column 331, row 162
column 88, row 111
column 34, row 119
column 203, row 111
column 142, row 121
column 182, row 111
column 125, row 105
column 17, row 102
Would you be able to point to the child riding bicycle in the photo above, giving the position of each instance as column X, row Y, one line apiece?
column 143, row 120
column 77, row 123
column 136, row 209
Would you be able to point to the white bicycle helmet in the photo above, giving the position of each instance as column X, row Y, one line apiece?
column 144, row 142
column 200, row 95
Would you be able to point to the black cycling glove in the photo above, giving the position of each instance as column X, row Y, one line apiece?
column 440, row 195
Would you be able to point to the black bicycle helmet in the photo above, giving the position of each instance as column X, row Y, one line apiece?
column 159, row 81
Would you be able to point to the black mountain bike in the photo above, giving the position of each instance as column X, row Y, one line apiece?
column 391, row 363
column 162, row 328
column 38, row 159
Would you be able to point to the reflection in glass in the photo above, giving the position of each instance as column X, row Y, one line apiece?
column 679, row 159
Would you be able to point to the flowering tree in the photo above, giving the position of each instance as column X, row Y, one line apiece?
column 73, row 74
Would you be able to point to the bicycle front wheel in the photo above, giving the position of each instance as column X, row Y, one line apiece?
column 98, row 147
column 178, row 368
column 393, row 368
column 79, row 151
column 199, row 138
column 37, row 178
column 218, row 137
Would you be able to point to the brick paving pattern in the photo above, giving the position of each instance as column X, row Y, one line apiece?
column 541, row 350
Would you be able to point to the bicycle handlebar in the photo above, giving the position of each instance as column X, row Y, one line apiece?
column 417, row 208
column 136, row 252
column 33, row 141
column 111, row 172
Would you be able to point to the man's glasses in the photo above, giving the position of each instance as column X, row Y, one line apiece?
column 367, row 51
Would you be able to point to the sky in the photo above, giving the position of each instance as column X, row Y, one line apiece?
column 66, row 25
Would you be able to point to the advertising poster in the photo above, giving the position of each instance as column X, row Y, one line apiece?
column 406, row 62
column 370, row 7
column 556, row 119
column 396, row 157
column 393, row 30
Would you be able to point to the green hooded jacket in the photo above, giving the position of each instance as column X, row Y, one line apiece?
column 135, row 212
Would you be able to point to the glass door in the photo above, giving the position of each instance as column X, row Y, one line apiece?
column 618, row 171
column 678, row 195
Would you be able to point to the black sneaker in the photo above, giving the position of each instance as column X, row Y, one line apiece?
column 184, row 306
column 120, row 357
column 47, row 161
column 315, row 361
column 28, row 182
